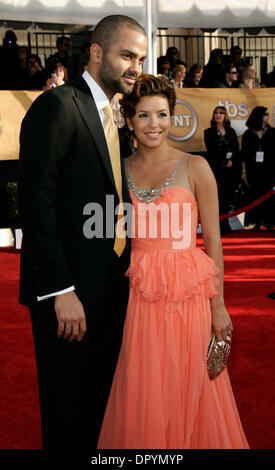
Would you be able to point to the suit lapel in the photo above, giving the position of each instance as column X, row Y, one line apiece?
column 88, row 110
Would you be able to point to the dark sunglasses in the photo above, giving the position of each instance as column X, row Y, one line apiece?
column 234, row 72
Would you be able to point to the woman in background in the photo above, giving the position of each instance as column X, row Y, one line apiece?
column 37, row 75
column 258, row 167
column 164, row 67
column 173, row 55
column 58, row 77
column 212, row 71
column 222, row 147
column 178, row 75
column 248, row 76
column 194, row 76
column 22, row 70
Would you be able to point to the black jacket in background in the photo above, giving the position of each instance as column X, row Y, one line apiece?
column 259, row 174
column 216, row 153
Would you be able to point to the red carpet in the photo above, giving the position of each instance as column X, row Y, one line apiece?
column 249, row 278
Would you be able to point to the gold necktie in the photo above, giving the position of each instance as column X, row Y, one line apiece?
column 111, row 134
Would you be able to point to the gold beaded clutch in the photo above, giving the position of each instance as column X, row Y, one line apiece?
column 217, row 355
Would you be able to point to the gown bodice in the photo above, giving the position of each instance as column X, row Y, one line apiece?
column 167, row 223
column 165, row 261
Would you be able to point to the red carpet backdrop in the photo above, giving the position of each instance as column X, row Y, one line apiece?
column 249, row 279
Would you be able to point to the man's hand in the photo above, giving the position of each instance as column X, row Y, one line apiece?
column 70, row 316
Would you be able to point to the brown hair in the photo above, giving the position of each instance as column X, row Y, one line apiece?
column 196, row 68
column 148, row 85
column 226, row 121
column 58, row 65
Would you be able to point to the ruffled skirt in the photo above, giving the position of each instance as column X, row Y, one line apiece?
column 161, row 396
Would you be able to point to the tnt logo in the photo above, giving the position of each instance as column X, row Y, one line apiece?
column 185, row 122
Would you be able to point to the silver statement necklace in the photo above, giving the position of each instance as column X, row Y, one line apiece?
column 149, row 195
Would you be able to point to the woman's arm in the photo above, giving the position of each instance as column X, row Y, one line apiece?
column 207, row 198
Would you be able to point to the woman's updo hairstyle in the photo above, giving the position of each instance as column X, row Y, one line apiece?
column 148, row 85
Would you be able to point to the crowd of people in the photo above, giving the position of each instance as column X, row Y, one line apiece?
column 24, row 70
column 221, row 71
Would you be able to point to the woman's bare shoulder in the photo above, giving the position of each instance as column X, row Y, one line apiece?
column 199, row 170
column 197, row 163
column 197, row 160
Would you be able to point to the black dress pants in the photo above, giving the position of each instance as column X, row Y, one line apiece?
column 75, row 378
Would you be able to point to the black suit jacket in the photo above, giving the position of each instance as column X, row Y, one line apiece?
column 216, row 154
column 65, row 164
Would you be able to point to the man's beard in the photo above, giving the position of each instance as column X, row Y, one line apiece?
column 112, row 81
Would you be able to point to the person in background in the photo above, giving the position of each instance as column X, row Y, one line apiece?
column 222, row 147
column 269, row 79
column 9, row 61
column 212, row 72
column 173, row 56
column 163, row 66
column 258, row 167
column 23, row 70
column 238, row 60
column 63, row 44
column 230, row 77
column 236, row 55
column 10, row 41
column 37, row 75
column 248, row 77
column 194, row 76
column 58, row 77
column 178, row 75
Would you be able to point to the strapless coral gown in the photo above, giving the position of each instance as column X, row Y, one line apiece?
column 161, row 396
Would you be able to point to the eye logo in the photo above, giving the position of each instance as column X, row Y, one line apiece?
column 185, row 122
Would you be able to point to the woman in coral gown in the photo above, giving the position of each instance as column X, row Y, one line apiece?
column 162, row 396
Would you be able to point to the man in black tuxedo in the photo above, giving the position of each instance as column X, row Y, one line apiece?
column 75, row 285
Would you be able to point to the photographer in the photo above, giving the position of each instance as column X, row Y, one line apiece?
column 58, row 77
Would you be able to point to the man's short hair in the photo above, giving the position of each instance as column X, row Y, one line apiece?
column 104, row 32
column 235, row 50
column 61, row 39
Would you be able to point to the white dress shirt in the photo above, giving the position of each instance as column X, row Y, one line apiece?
column 101, row 101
